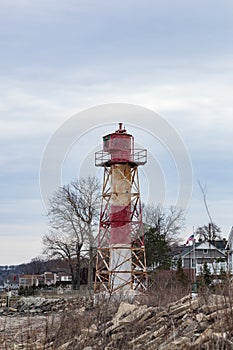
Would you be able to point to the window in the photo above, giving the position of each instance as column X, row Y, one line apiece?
column 205, row 251
column 193, row 263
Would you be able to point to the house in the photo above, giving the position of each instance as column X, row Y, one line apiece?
column 50, row 278
column 64, row 277
column 11, row 282
column 47, row 279
column 193, row 257
column 30, row 280
column 229, row 246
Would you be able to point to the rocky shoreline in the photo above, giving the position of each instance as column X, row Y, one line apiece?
column 73, row 324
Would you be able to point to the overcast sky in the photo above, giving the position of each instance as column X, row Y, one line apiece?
column 59, row 58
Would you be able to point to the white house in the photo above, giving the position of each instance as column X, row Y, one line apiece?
column 194, row 256
column 229, row 246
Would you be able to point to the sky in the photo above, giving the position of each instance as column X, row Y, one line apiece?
column 60, row 58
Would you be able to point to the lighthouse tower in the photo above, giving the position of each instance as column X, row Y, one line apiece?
column 121, row 262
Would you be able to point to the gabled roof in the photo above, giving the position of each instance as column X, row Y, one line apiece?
column 201, row 246
column 221, row 244
column 230, row 239
column 205, row 245
column 177, row 250
column 29, row 276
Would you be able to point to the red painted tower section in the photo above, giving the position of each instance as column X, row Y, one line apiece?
column 121, row 263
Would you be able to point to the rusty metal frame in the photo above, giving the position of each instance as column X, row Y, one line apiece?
column 104, row 274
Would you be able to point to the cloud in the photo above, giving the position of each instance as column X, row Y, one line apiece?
column 69, row 34
column 21, row 229
column 20, row 248
column 59, row 58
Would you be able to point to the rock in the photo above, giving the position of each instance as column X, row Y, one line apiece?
column 123, row 311
column 178, row 309
column 91, row 331
column 202, row 325
column 12, row 309
column 205, row 336
column 160, row 331
column 194, row 305
column 183, row 343
column 143, row 337
column 185, row 324
column 200, row 317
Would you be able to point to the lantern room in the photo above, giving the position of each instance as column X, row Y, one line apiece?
column 118, row 147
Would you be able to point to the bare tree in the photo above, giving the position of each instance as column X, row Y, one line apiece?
column 73, row 218
column 162, row 228
column 167, row 222
column 204, row 193
column 211, row 231
column 87, row 210
column 37, row 265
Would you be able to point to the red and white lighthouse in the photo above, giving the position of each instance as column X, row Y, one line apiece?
column 121, row 262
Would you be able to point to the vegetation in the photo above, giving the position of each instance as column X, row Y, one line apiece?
column 166, row 317
column 27, row 291
column 211, row 231
column 208, row 233
column 181, row 276
column 206, row 276
column 162, row 229
column 157, row 250
column 167, row 222
column 73, row 218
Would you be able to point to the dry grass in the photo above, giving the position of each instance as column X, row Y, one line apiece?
column 165, row 289
column 76, row 328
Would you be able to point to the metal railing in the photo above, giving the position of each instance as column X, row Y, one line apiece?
column 215, row 268
column 138, row 156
